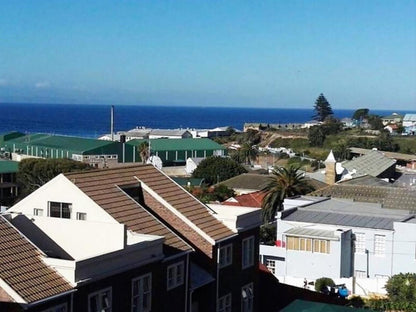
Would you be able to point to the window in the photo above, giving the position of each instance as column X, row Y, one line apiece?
column 224, row 304
column 360, row 242
column 307, row 244
column 226, row 255
column 100, row 301
column 141, row 299
column 58, row 308
column 271, row 265
column 60, row 210
column 360, row 274
column 248, row 252
column 247, row 297
column 81, row 216
column 379, row 244
column 175, row 275
column 38, row 212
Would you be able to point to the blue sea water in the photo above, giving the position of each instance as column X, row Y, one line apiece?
column 94, row 120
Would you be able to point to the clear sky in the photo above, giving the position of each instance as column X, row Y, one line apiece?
column 276, row 53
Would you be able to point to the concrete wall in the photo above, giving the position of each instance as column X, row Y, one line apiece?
column 404, row 248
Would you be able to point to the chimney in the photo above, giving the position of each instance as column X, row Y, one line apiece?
column 112, row 123
column 330, row 169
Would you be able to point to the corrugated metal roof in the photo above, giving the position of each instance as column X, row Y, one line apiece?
column 179, row 144
column 74, row 144
column 388, row 197
column 8, row 166
column 409, row 117
column 374, row 163
column 307, row 232
column 342, row 219
column 398, row 156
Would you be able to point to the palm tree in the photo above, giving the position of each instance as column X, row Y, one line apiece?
column 248, row 152
column 144, row 152
column 284, row 182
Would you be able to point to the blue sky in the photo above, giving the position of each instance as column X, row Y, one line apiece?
column 210, row 53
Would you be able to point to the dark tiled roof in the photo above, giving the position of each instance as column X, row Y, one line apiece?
column 247, row 181
column 22, row 268
column 251, row 181
column 389, row 197
column 103, row 187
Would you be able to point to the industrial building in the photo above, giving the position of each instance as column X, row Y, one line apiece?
column 175, row 152
column 97, row 153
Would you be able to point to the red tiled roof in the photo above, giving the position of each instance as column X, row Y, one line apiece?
column 247, row 200
column 103, row 187
column 22, row 268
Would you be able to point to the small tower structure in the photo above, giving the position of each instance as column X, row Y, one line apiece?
column 330, row 169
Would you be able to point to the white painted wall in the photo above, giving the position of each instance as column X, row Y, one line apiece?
column 404, row 248
column 60, row 189
column 83, row 239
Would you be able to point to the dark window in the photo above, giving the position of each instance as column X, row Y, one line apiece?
column 60, row 210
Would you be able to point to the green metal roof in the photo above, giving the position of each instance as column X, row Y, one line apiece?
column 8, row 166
column 179, row 144
column 79, row 145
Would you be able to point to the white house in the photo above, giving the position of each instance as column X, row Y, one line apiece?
column 360, row 244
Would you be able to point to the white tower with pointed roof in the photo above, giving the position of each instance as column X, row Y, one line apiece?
column 330, row 169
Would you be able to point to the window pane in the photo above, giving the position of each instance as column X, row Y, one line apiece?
column 66, row 213
column 323, row 246
column 316, row 245
column 308, row 245
column 55, row 210
column 302, row 244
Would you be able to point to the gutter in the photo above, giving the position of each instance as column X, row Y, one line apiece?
column 29, row 305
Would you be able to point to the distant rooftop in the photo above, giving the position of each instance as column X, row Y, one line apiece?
column 373, row 163
column 344, row 212
column 179, row 144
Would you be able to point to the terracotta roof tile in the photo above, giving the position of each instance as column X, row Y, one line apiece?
column 22, row 268
column 94, row 182
column 102, row 186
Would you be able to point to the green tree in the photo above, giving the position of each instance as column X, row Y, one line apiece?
column 316, row 136
column 322, row 108
column 375, row 122
column 360, row 114
column 341, row 150
column 401, row 288
column 248, row 153
column 215, row 169
column 331, row 125
column 35, row 172
column 144, row 151
column 284, row 182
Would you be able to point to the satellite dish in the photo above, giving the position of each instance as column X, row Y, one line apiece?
column 155, row 161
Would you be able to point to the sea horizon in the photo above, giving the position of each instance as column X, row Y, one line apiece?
column 93, row 120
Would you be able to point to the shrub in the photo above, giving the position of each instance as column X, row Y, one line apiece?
column 323, row 282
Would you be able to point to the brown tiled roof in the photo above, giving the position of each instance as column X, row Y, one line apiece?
column 103, row 187
column 389, row 197
column 22, row 268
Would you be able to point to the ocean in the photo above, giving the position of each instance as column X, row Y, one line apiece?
column 94, row 120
